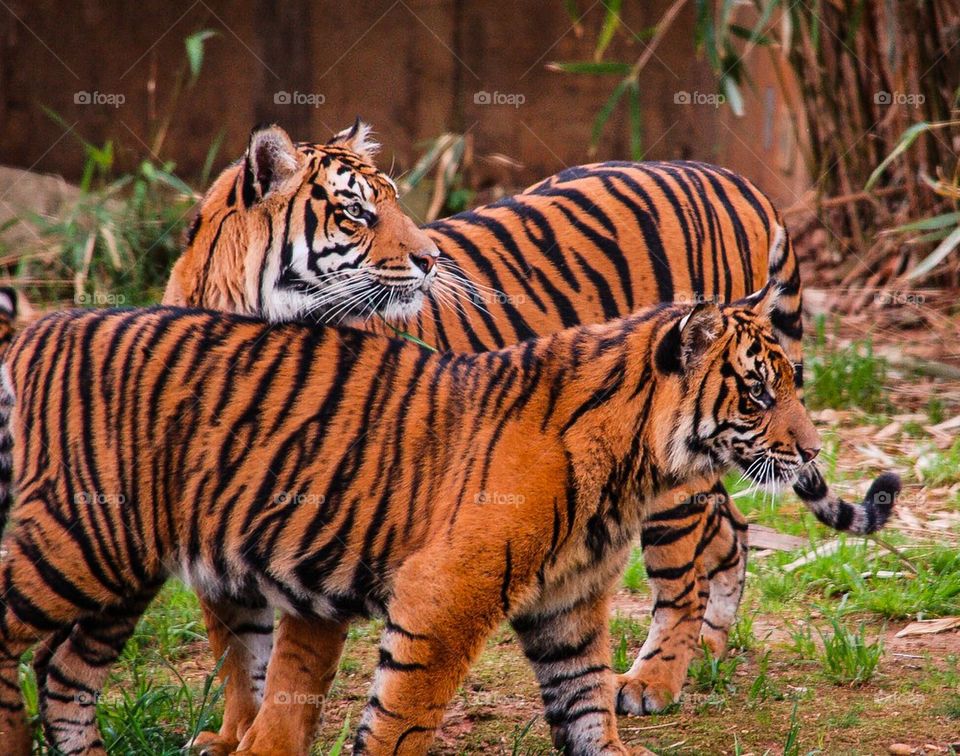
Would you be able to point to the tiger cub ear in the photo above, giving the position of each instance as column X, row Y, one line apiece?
column 271, row 159
column 699, row 328
column 357, row 139
column 8, row 302
column 762, row 302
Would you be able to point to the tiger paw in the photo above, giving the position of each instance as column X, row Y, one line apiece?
column 211, row 744
column 638, row 696
column 715, row 640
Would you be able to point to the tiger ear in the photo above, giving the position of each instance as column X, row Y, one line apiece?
column 762, row 302
column 699, row 328
column 271, row 159
column 8, row 302
column 357, row 139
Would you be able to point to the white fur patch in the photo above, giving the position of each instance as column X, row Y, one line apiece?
column 777, row 247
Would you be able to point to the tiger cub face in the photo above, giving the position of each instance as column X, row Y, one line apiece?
column 317, row 229
column 738, row 402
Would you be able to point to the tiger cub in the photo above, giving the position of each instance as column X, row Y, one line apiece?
column 160, row 441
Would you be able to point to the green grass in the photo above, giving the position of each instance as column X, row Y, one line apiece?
column 941, row 467
column 848, row 658
column 763, row 686
column 635, row 576
column 934, row 591
column 741, row 634
column 847, row 377
column 713, row 674
column 621, row 656
column 802, row 643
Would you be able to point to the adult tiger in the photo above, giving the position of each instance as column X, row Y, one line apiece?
column 212, row 458
column 315, row 230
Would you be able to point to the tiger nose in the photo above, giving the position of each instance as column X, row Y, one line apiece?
column 425, row 259
column 807, row 453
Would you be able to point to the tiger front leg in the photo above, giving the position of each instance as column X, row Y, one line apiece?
column 569, row 650
column 672, row 539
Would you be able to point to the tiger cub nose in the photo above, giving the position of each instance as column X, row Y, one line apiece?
column 808, row 453
column 424, row 259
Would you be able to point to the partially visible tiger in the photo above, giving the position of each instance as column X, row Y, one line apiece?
column 311, row 230
column 159, row 441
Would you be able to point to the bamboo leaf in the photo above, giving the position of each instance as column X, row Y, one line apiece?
column 194, row 44
column 815, row 27
column 597, row 68
column 211, row 156
column 932, row 236
column 751, row 35
column 732, row 92
column 906, row 139
column 574, row 13
column 611, row 22
column 937, row 256
column 705, row 33
column 927, row 224
column 604, row 115
column 636, row 132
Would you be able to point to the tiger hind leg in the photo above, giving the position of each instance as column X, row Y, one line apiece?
column 438, row 618
column 673, row 535
column 569, row 649
column 29, row 612
column 242, row 637
column 73, row 673
column 304, row 662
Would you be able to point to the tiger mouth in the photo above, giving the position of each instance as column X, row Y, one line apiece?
column 768, row 471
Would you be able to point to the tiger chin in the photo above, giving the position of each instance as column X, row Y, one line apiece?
column 211, row 460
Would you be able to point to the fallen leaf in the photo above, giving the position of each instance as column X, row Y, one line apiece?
column 929, row 627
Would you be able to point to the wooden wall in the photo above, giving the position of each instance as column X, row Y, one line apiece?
column 413, row 68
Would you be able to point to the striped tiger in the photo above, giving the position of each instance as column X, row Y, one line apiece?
column 176, row 441
column 312, row 230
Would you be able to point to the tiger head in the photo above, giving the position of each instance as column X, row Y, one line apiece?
column 737, row 403
column 311, row 230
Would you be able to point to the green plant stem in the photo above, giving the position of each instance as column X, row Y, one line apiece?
column 406, row 335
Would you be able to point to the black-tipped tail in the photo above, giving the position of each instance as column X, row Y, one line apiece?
column 866, row 517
